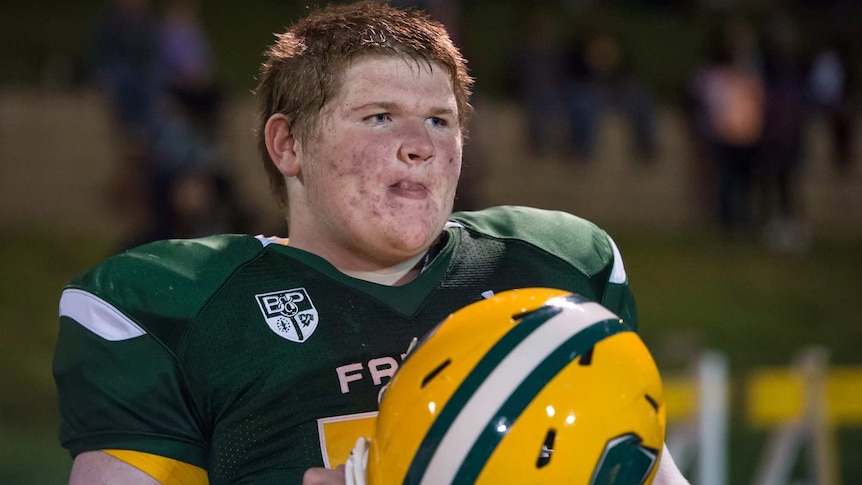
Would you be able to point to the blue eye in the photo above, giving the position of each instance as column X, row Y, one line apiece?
column 438, row 121
column 378, row 118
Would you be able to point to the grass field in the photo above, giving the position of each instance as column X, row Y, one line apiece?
column 694, row 293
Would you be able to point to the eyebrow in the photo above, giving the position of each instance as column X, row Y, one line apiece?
column 390, row 106
column 443, row 111
column 385, row 105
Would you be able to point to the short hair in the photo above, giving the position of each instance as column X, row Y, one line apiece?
column 304, row 68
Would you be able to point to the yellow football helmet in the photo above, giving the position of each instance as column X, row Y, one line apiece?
column 531, row 386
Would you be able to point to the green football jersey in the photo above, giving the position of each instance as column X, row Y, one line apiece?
column 255, row 360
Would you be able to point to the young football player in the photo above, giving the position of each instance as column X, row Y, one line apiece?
column 240, row 359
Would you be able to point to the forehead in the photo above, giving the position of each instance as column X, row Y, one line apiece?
column 393, row 79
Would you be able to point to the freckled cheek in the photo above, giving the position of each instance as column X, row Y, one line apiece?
column 366, row 158
column 349, row 172
column 362, row 194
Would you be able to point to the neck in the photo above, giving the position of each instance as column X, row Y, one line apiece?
column 399, row 274
column 352, row 261
column 365, row 269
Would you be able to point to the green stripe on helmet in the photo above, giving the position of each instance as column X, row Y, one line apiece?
column 462, row 395
column 518, row 401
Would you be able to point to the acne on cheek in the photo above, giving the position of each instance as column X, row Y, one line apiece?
column 352, row 169
column 362, row 197
column 367, row 158
column 360, row 163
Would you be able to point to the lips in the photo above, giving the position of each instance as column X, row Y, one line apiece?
column 411, row 190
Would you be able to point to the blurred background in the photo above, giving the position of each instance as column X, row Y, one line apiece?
column 718, row 142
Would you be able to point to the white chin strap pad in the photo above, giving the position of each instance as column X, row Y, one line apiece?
column 357, row 462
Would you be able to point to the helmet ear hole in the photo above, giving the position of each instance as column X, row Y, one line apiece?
column 652, row 402
column 431, row 375
column 587, row 357
column 547, row 449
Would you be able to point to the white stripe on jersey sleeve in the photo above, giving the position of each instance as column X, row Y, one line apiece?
column 98, row 316
column 265, row 241
column 618, row 272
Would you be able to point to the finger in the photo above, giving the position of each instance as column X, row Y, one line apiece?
column 323, row 476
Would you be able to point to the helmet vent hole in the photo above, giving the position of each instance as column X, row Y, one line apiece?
column 520, row 316
column 547, row 449
column 586, row 357
column 431, row 375
column 652, row 402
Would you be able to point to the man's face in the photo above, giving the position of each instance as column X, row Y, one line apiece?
column 378, row 176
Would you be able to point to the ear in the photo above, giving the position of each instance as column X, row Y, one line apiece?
column 282, row 145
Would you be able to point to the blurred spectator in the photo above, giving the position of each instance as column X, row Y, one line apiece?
column 600, row 77
column 159, row 74
column 190, row 192
column 584, row 57
column 180, row 147
column 776, row 176
column 832, row 84
column 538, row 70
column 125, row 65
column 184, row 46
column 728, row 93
column 187, row 62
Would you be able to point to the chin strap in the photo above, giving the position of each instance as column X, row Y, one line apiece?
column 357, row 462
column 411, row 347
column 413, row 344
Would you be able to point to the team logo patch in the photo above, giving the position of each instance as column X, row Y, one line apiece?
column 289, row 313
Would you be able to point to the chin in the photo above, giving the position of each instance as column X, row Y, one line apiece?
column 417, row 239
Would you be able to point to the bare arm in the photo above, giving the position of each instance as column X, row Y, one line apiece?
column 99, row 468
column 668, row 473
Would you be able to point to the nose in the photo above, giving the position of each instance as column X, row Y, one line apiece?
column 416, row 144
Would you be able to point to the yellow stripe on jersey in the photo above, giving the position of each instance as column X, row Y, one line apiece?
column 166, row 471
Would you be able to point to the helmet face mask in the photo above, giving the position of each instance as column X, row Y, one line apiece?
column 529, row 386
